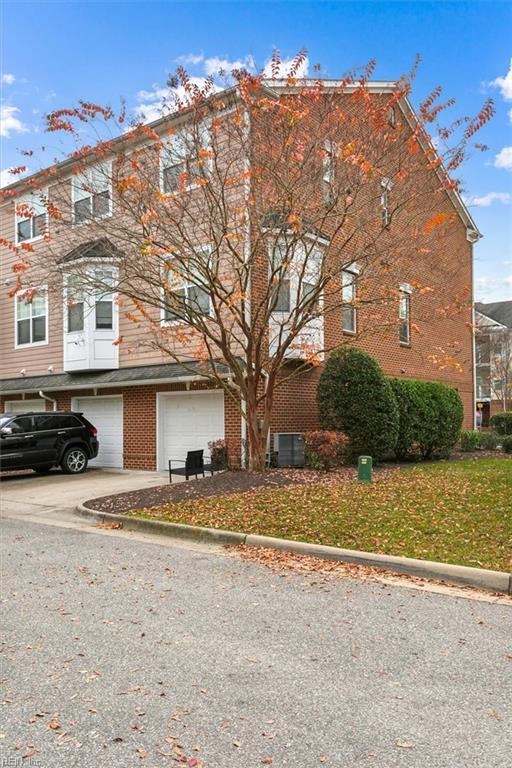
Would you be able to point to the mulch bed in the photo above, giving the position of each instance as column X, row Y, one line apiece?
column 225, row 483
column 221, row 484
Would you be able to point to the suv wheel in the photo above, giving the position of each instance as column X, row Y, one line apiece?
column 74, row 461
column 43, row 470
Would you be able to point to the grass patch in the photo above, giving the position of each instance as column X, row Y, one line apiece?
column 456, row 512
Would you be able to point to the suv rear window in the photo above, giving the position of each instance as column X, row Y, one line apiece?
column 56, row 421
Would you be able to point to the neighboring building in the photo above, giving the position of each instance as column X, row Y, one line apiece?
column 493, row 358
column 148, row 409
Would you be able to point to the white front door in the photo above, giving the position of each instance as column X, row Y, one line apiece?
column 106, row 414
column 188, row 422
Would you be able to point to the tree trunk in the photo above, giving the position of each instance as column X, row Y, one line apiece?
column 257, row 430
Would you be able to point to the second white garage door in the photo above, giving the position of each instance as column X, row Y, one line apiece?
column 106, row 414
column 187, row 422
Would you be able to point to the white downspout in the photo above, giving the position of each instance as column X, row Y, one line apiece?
column 50, row 399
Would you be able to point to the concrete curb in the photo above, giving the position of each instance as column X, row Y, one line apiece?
column 493, row 581
column 177, row 530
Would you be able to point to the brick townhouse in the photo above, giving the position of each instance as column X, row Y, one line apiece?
column 148, row 409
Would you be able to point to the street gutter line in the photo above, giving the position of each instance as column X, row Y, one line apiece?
column 494, row 581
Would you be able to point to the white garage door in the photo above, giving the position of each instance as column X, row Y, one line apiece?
column 106, row 414
column 187, row 423
column 20, row 406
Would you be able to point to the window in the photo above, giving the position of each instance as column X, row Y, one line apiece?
column 31, row 217
column 55, row 421
column 75, row 305
column 21, row 424
column 296, row 282
column 282, row 297
column 385, row 187
column 404, row 315
column 181, row 156
column 329, row 169
column 392, row 117
column 91, row 195
column 104, row 301
column 184, row 296
column 32, row 319
column 348, row 296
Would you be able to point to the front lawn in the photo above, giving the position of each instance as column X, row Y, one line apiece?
column 456, row 512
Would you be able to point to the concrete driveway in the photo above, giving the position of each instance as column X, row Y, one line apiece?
column 28, row 494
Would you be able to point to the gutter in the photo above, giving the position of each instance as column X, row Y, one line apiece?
column 110, row 385
column 49, row 399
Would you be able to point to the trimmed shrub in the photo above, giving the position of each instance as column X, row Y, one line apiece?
column 430, row 418
column 469, row 440
column 441, row 430
column 355, row 397
column 325, row 449
column 502, row 423
column 506, row 444
column 488, row 441
column 411, row 411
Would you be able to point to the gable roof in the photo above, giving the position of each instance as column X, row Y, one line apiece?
column 101, row 249
column 499, row 311
column 273, row 86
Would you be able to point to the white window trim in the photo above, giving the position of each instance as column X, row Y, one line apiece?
column 386, row 185
column 108, row 167
column 165, row 323
column 193, row 184
column 89, row 301
column 44, row 193
column 42, row 288
column 294, row 283
column 401, row 320
column 352, row 269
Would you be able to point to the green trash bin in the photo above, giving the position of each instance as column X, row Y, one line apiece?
column 365, row 469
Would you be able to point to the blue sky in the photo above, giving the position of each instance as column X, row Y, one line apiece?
column 56, row 52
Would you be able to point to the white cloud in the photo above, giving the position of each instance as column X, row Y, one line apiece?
column 215, row 64
column 7, row 79
column 190, row 58
column 505, row 84
column 160, row 101
column 493, row 288
column 504, row 159
column 9, row 123
column 7, row 177
column 486, row 200
column 285, row 66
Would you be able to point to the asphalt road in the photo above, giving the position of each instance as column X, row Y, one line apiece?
column 120, row 653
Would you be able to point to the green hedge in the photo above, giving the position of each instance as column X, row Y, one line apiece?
column 502, row 422
column 355, row 397
column 506, row 444
column 431, row 416
column 472, row 440
column 469, row 440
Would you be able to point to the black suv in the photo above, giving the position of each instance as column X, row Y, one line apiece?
column 43, row 440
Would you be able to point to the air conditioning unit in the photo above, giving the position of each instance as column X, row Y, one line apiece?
column 290, row 449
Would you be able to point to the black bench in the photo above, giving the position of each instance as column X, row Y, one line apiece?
column 193, row 465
